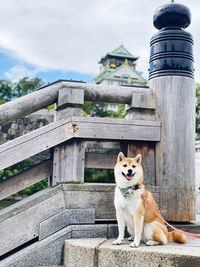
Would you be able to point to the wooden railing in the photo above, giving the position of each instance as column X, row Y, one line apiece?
column 66, row 136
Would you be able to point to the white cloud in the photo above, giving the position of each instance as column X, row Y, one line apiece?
column 18, row 72
column 73, row 35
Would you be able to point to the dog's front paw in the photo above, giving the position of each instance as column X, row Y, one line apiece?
column 117, row 242
column 134, row 245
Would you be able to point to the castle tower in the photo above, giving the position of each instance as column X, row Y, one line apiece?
column 118, row 67
column 171, row 79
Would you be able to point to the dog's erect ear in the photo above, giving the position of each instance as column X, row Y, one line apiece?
column 138, row 158
column 120, row 156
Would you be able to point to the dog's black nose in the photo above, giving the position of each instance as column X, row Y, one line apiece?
column 129, row 171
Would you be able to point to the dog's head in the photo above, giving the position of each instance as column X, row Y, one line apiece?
column 128, row 171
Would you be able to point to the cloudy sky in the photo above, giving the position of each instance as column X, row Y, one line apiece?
column 54, row 39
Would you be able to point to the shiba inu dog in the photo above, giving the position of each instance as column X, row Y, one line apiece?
column 131, row 210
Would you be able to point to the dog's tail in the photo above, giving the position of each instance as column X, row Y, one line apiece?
column 177, row 237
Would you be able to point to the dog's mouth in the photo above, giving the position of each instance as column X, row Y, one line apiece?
column 128, row 176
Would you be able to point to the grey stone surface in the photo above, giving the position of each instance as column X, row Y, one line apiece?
column 77, row 252
column 24, row 125
column 14, row 126
column 49, row 251
column 43, row 253
column 89, row 231
column 112, row 230
column 65, row 218
column 81, row 252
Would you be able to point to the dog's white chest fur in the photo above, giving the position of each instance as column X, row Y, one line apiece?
column 127, row 207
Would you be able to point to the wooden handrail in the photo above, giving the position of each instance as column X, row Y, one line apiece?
column 26, row 178
column 48, row 95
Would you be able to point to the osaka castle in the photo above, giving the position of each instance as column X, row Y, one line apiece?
column 118, row 67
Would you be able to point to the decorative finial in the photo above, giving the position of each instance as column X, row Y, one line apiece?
column 172, row 15
column 171, row 47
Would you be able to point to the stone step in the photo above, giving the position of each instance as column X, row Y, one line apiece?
column 100, row 252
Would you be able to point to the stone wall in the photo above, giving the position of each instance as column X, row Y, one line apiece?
column 25, row 125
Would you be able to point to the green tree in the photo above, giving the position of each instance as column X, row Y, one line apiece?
column 10, row 90
column 6, row 88
column 26, row 86
column 99, row 109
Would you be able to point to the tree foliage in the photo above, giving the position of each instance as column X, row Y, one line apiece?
column 8, row 92
column 99, row 109
column 11, row 90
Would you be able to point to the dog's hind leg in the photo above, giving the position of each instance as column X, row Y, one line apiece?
column 154, row 234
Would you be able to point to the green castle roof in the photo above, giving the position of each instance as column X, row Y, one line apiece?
column 108, row 74
column 120, row 52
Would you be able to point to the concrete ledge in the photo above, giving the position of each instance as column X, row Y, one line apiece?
column 101, row 253
column 49, row 251
column 82, row 252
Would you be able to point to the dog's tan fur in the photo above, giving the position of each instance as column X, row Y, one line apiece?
column 141, row 221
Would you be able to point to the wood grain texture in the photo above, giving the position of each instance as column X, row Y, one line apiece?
column 69, row 157
column 69, row 162
column 147, row 150
column 116, row 129
column 26, row 178
column 175, row 153
column 100, row 161
column 143, row 101
column 49, row 94
column 98, row 196
column 34, row 142
column 70, row 97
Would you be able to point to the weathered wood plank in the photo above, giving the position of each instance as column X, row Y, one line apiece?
column 68, row 162
column 48, row 95
column 147, row 150
column 24, row 179
column 116, row 129
column 22, row 225
column 69, row 158
column 100, row 161
column 98, row 196
column 175, row 153
column 34, row 142
column 143, row 101
column 86, row 128
column 117, row 121
column 142, row 107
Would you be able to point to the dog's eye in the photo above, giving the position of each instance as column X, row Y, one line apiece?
column 133, row 166
column 125, row 165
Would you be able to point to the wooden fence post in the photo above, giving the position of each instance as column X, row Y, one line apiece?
column 69, row 158
column 142, row 107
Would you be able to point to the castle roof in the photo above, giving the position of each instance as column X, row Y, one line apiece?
column 121, row 74
column 121, row 52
